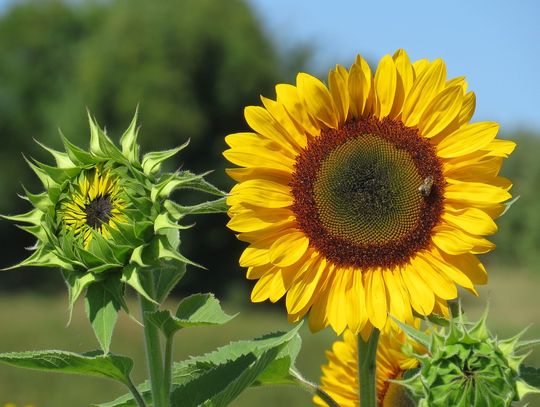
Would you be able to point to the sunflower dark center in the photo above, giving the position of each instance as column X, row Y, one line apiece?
column 98, row 211
column 369, row 193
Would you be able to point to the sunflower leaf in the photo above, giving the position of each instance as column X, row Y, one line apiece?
column 102, row 308
column 195, row 310
column 216, row 378
column 88, row 364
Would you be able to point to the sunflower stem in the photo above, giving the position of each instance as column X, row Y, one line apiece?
column 312, row 388
column 136, row 395
column 367, row 369
column 154, row 361
column 168, row 363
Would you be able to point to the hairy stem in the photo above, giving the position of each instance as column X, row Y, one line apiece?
column 312, row 388
column 168, row 363
column 154, row 361
column 136, row 395
column 367, row 369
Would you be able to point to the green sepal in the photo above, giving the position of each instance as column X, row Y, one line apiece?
column 508, row 205
column 34, row 217
column 172, row 182
column 103, row 301
column 77, row 154
column 151, row 162
column 87, row 364
column 179, row 211
column 40, row 201
column 62, row 159
column 164, row 251
column 418, row 336
column 128, row 141
column 58, row 175
column 195, row 310
column 42, row 257
column 77, row 282
column 45, row 178
column 130, row 276
column 101, row 145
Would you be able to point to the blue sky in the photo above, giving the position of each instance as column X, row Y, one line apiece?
column 495, row 44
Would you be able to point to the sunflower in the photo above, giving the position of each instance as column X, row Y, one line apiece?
column 95, row 202
column 369, row 196
column 340, row 375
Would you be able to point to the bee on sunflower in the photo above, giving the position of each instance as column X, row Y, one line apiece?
column 369, row 196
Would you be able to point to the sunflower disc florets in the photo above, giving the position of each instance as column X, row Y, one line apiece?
column 105, row 217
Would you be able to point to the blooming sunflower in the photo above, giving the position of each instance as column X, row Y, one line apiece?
column 340, row 375
column 369, row 196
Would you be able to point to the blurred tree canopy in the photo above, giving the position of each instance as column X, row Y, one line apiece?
column 192, row 65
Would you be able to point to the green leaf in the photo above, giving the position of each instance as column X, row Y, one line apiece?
column 195, row 310
column 221, row 385
column 413, row 333
column 166, row 275
column 88, row 364
column 102, row 309
column 229, row 370
column 151, row 162
column 531, row 375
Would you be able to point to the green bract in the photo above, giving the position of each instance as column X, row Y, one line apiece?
column 465, row 365
column 106, row 220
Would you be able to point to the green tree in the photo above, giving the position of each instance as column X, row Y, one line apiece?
column 192, row 65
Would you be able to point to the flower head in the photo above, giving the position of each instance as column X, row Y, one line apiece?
column 340, row 375
column 105, row 217
column 369, row 196
column 466, row 365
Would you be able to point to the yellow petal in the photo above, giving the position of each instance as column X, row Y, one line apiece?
column 305, row 285
column 249, row 220
column 471, row 220
column 262, row 289
column 296, row 133
column 268, row 174
column 359, row 87
column 261, row 193
column 422, row 297
column 439, row 283
column 425, row 87
column 260, row 120
column 467, row 139
column 337, row 300
column 288, row 249
column 420, row 67
column 317, row 99
column 288, row 96
column 455, row 241
column 376, row 298
column 441, row 111
column 399, row 302
column 500, row 148
column 405, row 71
column 259, row 157
column 475, row 192
column 318, row 318
column 445, row 264
column 337, row 84
column 356, row 303
column 385, row 86
column 467, row 109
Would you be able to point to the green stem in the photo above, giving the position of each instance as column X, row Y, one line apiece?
column 367, row 369
column 312, row 388
column 154, row 360
column 136, row 395
column 168, row 363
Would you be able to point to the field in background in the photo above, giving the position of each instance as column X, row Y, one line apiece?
column 32, row 322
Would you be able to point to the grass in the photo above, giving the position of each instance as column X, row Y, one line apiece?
column 33, row 322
